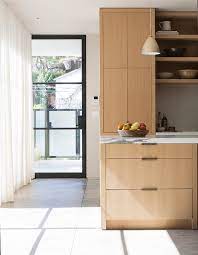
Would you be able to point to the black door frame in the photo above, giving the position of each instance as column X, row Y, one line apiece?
column 84, row 153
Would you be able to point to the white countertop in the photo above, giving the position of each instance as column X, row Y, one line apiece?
column 179, row 137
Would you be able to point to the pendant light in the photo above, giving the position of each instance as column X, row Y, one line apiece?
column 150, row 47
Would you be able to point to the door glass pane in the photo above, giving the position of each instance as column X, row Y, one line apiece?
column 39, row 144
column 68, row 96
column 63, row 119
column 65, row 143
column 57, row 96
column 57, row 60
column 39, row 118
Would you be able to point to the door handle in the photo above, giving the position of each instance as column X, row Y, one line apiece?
column 149, row 158
column 149, row 189
column 79, row 122
column 149, row 143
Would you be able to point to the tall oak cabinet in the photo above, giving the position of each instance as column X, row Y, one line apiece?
column 127, row 77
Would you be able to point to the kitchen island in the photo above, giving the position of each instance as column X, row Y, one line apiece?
column 149, row 183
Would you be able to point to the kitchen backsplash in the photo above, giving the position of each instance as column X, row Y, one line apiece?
column 180, row 105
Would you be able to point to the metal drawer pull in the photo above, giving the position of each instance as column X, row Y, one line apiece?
column 149, row 143
column 149, row 189
column 149, row 158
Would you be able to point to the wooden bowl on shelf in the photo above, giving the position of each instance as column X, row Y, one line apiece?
column 165, row 75
column 187, row 73
column 130, row 133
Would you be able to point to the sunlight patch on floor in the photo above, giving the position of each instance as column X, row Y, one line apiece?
column 56, row 241
column 18, row 242
column 154, row 242
column 22, row 217
column 76, row 217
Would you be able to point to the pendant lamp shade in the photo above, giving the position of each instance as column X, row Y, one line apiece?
column 150, row 47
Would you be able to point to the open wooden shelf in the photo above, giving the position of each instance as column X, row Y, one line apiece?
column 177, row 14
column 177, row 59
column 177, row 37
column 176, row 81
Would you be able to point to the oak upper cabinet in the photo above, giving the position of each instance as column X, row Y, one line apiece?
column 140, row 70
column 139, row 98
column 139, row 28
column 114, row 40
column 127, row 83
column 115, row 98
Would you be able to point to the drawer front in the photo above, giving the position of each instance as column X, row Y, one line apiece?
column 138, row 173
column 149, row 150
column 125, row 205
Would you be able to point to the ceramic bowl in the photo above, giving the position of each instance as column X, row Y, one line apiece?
column 165, row 75
column 187, row 73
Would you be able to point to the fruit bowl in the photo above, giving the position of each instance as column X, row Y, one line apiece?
column 135, row 133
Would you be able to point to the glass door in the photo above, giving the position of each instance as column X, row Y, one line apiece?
column 59, row 105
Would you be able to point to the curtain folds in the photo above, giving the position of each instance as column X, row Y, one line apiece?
column 16, row 105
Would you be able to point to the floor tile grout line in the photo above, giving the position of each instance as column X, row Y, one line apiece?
column 36, row 243
column 76, row 228
column 48, row 228
column 45, row 218
column 83, row 194
column 72, row 246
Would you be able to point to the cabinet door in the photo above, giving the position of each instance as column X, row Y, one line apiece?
column 115, row 99
column 140, row 96
column 162, row 208
column 138, row 30
column 114, row 41
column 138, row 173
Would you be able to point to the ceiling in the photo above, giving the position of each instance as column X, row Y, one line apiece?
column 78, row 16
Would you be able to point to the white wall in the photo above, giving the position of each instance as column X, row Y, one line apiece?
column 92, row 111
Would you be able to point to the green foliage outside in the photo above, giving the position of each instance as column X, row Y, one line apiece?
column 46, row 69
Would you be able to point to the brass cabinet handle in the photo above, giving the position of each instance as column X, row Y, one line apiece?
column 149, row 189
column 149, row 143
column 149, row 158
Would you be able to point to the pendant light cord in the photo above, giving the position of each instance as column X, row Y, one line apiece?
column 151, row 22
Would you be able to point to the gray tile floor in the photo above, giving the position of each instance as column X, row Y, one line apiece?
column 62, row 216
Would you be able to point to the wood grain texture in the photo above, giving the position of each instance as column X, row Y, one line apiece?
column 101, row 75
column 121, row 40
column 149, row 205
column 115, row 98
column 140, row 96
column 173, row 176
column 177, row 14
column 125, row 10
column 177, row 59
column 194, row 168
column 115, row 40
column 139, row 29
column 138, row 174
column 140, row 150
column 166, row 82
column 150, row 224
column 177, row 37
column 103, row 185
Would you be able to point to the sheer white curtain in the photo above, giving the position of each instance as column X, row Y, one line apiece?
column 15, row 105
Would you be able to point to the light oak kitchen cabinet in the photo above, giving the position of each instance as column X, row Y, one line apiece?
column 151, row 183
column 127, row 89
column 148, row 186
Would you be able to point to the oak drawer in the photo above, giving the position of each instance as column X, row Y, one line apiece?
column 138, row 173
column 149, row 150
column 149, row 205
